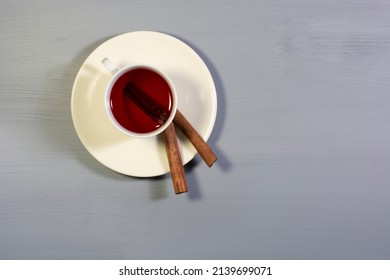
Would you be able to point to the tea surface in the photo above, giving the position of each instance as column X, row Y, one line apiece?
column 128, row 113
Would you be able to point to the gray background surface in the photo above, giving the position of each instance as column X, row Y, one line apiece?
column 302, row 134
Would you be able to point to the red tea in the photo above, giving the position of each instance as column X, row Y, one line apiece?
column 127, row 113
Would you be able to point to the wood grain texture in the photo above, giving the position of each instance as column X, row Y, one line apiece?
column 302, row 134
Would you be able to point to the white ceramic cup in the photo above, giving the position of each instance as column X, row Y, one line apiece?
column 117, row 73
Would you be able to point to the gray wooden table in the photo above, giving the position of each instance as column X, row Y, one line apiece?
column 302, row 134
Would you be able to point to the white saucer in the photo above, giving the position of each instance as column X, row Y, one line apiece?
column 197, row 100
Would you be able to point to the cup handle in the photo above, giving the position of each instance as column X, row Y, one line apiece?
column 109, row 65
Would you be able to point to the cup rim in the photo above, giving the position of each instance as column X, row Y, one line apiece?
column 112, row 118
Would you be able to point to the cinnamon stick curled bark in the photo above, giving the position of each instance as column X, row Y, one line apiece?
column 175, row 160
column 146, row 104
column 160, row 116
column 200, row 145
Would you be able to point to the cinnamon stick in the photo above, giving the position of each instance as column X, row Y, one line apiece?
column 160, row 116
column 146, row 104
column 200, row 145
column 175, row 160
